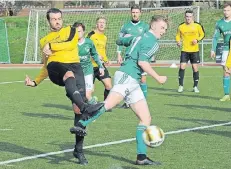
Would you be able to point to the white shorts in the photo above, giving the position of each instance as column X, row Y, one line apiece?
column 89, row 82
column 144, row 74
column 128, row 87
column 224, row 57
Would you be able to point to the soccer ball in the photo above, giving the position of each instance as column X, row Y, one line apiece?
column 153, row 136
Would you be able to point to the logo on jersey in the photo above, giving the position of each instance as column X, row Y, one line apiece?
column 140, row 29
column 87, row 49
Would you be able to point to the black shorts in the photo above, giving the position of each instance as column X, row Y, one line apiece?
column 97, row 74
column 192, row 56
column 57, row 70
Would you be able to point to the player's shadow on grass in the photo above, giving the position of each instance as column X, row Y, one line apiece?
column 48, row 116
column 15, row 149
column 204, row 122
column 201, row 107
column 162, row 89
column 64, row 107
column 175, row 94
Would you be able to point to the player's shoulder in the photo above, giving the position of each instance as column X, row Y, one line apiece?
column 181, row 24
column 90, row 34
column 88, row 40
column 220, row 21
column 198, row 24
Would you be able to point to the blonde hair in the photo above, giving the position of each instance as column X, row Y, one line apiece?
column 101, row 17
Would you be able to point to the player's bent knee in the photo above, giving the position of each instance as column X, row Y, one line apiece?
column 67, row 75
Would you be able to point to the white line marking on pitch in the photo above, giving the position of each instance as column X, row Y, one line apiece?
column 5, row 129
column 108, row 143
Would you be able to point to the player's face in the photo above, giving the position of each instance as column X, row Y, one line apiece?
column 159, row 28
column 227, row 12
column 135, row 13
column 189, row 18
column 56, row 21
column 80, row 32
column 101, row 25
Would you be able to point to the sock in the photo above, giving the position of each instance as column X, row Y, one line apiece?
column 78, row 139
column 195, row 78
column 226, row 85
column 181, row 76
column 106, row 93
column 93, row 100
column 144, row 89
column 141, row 146
column 99, row 113
column 73, row 93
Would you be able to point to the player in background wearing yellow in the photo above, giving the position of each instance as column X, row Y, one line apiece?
column 100, row 40
column 223, row 26
column 189, row 33
column 61, row 64
column 134, row 27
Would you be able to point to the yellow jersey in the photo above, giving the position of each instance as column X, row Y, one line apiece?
column 189, row 32
column 100, row 41
column 64, row 47
column 228, row 61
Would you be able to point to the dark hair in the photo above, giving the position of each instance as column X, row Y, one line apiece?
column 77, row 24
column 226, row 4
column 189, row 11
column 135, row 7
column 52, row 10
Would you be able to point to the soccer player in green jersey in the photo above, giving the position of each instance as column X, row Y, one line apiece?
column 223, row 26
column 134, row 27
column 87, row 51
column 127, row 78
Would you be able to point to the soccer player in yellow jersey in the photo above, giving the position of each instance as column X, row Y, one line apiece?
column 100, row 40
column 62, row 65
column 188, row 35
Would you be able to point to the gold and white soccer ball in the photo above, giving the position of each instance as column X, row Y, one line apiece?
column 153, row 136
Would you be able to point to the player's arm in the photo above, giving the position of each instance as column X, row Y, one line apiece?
column 144, row 63
column 201, row 33
column 69, row 44
column 121, row 34
column 228, row 61
column 178, row 37
column 43, row 74
column 125, row 41
column 95, row 56
column 216, row 37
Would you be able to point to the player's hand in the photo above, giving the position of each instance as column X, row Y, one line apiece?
column 46, row 50
column 194, row 42
column 227, row 70
column 119, row 58
column 101, row 71
column 212, row 55
column 29, row 82
column 178, row 44
column 161, row 79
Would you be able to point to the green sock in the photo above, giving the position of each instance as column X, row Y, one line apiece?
column 141, row 146
column 144, row 88
column 226, row 85
column 93, row 100
column 87, row 122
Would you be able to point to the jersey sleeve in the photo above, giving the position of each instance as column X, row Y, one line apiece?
column 69, row 44
column 43, row 74
column 125, row 41
column 178, row 35
column 146, row 51
column 121, row 34
column 95, row 55
column 228, row 61
column 201, row 32
column 216, row 37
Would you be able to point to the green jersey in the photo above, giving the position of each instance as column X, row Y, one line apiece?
column 139, row 48
column 222, row 27
column 86, row 51
column 135, row 29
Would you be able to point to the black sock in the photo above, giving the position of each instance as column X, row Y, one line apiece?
column 106, row 93
column 73, row 93
column 141, row 157
column 181, row 76
column 78, row 139
column 195, row 78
